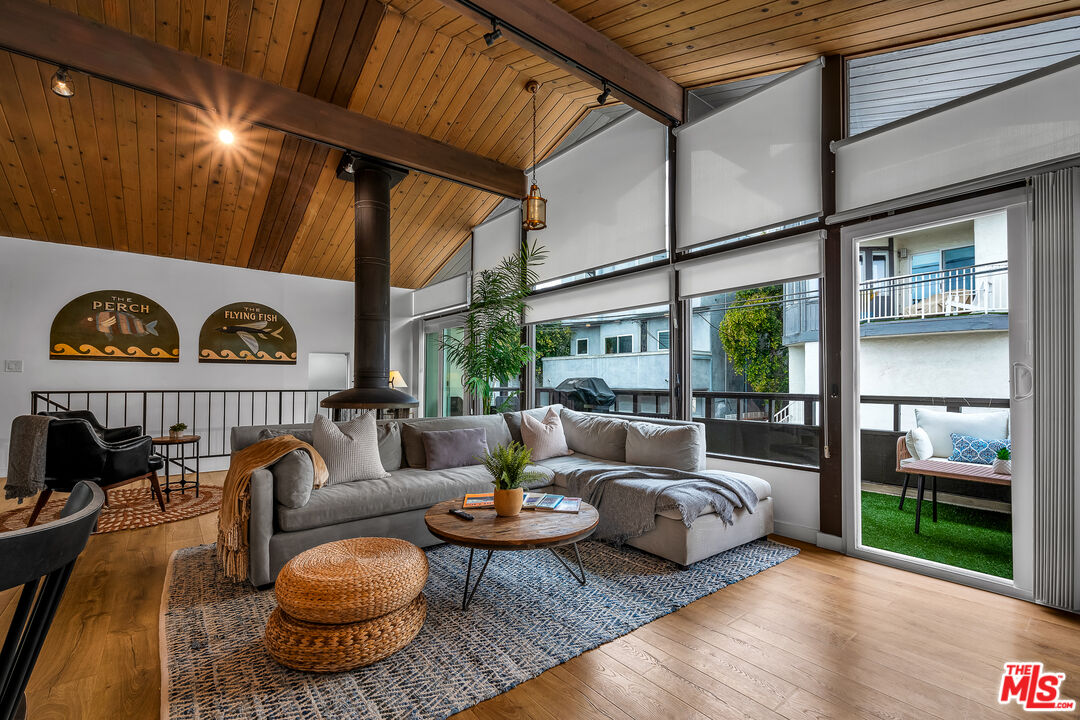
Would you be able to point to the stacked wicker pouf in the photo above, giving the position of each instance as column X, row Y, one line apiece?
column 347, row 603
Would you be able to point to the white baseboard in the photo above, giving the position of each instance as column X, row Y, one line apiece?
column 830, row 542
column 795, row 532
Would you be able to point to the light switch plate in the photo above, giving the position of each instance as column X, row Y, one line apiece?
column 13, row 366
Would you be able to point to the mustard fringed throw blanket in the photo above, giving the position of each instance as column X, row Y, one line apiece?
column 232, row 541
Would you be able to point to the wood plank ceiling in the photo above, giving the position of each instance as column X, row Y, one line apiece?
column 121, row 169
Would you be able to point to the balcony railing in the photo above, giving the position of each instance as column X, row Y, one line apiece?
column 209, row 413
column 976, row 289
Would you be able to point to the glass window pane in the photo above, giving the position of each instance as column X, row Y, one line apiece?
column 631, row 376
column 755, row 371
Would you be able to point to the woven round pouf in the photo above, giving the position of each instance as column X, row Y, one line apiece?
column 315, row 647
column 348, row 581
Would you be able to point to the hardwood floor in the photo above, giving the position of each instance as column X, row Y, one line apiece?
column 819, row 636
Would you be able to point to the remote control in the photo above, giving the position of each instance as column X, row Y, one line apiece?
column 461, row 514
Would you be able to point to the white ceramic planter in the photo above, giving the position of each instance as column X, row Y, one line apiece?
column 1003, row 467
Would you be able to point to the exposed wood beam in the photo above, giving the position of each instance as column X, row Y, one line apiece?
column 344, row 34
column 57, row 36
column 554, row 34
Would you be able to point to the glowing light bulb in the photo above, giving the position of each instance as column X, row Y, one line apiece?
column 226, row 136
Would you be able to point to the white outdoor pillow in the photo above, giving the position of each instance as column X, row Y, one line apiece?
column 680, row 447
column 350, row 450
column 918, row 442
column 544, row 439
column 939, row 426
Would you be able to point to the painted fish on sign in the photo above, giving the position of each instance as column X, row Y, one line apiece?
column 247, row 333
column 114, row 325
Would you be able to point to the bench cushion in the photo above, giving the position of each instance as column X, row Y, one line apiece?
column 989, row 425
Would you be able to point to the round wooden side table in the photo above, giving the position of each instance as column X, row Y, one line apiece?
column 166, row 443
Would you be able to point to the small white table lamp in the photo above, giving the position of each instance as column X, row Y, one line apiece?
column 396, row 380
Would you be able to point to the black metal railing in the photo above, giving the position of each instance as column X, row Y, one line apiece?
column 211, row 414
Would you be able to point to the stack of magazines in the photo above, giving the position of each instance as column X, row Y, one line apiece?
column 551, row 503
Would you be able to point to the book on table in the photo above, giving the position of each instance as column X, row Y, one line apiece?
column 568, row 505
column 531, row 499
column 478, row 500
column 548, row 502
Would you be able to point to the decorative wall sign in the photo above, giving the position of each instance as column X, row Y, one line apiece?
column 247, row 333
column 114, row 325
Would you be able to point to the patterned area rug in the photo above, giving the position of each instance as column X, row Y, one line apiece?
column 526, row 617
column 129, row 508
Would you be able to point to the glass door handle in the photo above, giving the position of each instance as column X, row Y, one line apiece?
column 1023, row 381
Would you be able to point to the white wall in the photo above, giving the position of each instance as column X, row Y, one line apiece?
column 37, row 279
column 795, row 496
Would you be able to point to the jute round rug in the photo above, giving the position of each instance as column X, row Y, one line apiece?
column 128, row 508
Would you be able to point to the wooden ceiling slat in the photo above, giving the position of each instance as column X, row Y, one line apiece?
column 146, row 149
column 127, row 143
column 237, row 25
column 257, row 151
column 191, row 20
column 257, row 43
column 408, row 82
column 304, row 245
column 23, row 213
column 274, row 141
column 167, row 120
column 399, row 50
column 290, row 42
column 215, row 17
column 187, row 141
column 104, row 119
column 416, row 89
column 211, row 207
column 203, row 160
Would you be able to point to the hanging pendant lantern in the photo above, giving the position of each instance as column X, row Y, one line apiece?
column 534, row 207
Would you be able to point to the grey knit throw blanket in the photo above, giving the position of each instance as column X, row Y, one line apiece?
column 630, row 496
column 26, row 456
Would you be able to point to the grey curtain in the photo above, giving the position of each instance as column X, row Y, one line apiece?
column 1056, row 222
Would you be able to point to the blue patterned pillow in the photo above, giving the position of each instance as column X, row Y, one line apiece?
column 966, row 448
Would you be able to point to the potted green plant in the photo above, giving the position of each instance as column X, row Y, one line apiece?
column 491, row 348
column 507, row 465
column 176, row 431
column 1003, row 462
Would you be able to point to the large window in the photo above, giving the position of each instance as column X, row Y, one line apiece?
column 755, row 372
column 632, row 376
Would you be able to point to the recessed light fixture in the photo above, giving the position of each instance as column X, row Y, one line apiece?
column 61, row 83
column 225, row 135
column 495, row 34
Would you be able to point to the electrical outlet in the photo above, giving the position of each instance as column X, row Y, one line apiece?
column 13, row 366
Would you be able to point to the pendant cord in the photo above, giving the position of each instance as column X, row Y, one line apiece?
column 534, row 138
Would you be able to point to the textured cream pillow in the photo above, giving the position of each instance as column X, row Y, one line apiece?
column 350, row 450
column 544, row 439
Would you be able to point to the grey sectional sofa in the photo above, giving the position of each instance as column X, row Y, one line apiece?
column 395, row 506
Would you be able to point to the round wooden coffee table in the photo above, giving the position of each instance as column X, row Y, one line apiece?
column 529, row 530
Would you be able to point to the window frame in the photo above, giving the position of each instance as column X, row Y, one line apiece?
column 618, row 343
column 577, row 346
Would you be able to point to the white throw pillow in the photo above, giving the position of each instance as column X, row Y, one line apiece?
column 918, row 442
column 350, row 450
column 939, row 426
column 544, row 439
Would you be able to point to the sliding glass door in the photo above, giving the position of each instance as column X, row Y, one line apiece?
column 443, row 395
column 941, row 357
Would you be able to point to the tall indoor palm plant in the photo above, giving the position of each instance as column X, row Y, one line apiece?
column 491, row 347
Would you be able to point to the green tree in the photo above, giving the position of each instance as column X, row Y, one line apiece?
column 490, row 347
column 551, row 341
column 752, row 335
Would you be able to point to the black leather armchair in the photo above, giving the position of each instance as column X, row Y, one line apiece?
column 109, row 435
column 75, row 452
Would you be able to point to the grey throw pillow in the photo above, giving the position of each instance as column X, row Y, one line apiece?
column 350, row 450
column 454, row 448
column 303, row 434
column 595, row 435
column 294, row 475
column 390, row 446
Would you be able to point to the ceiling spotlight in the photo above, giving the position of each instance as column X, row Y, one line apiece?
column 603, row 97
column 225, row 135
column 61, row 83
column 495, row 34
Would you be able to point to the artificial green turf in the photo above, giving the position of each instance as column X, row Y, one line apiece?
column 978, row 540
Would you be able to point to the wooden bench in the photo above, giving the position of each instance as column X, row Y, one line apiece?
column 934, row 469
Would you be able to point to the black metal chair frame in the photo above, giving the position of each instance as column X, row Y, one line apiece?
column 40, row 559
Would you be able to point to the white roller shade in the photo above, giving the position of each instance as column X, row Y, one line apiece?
column 606, row 199
column 441, row 296
column 652, row 287
column 776, row 261
column 753, row 164
column 496, row 239
column 1031, row 120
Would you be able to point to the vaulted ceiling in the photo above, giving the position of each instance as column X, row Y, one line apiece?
column 122, row 169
